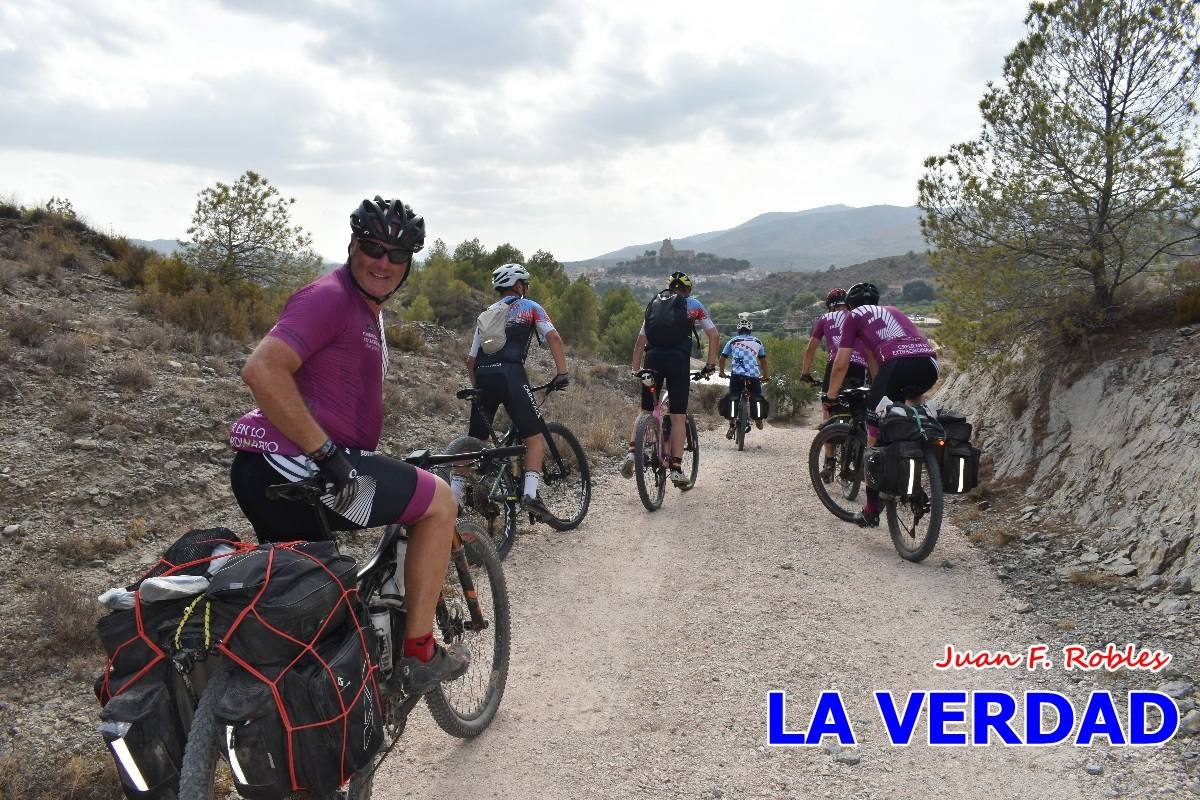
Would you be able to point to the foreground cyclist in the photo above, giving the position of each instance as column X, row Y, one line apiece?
column 317, row 377
column 829, row 327
column 902, row 363
column 496, row 364
column 665, row 342
column 749, row 366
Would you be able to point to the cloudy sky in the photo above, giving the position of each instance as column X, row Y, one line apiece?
column 575, row 127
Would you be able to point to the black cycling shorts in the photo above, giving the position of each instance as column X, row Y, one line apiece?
column 675, row 370
column 505, row 384
column 388, row 491
column 856, row 375
column 736, row 382
column 917, row 374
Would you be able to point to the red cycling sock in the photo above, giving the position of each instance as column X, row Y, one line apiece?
column 871, row 508
column 420, row 646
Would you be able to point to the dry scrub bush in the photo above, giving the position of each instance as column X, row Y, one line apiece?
column 6, row 352
column 68, row 355
column 66, row 618
column 152, row 337
column 8, row 274
column 404, row 338
column 601, row 420
column 79, row 777
column 133, row 374
column 25, row 328
column 79, row 547
column 74, row 416
column 1187, row 307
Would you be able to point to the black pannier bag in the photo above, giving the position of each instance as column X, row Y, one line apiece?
column 142, row 731
column 955, row 426
column 960, row 461
column 960, row 467
column 727, row 406
column 900, row 423
column 271, row 601
column 309, row 727
column 760, row 408
column 895, row 469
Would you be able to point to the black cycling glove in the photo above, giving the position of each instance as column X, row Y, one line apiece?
column 560, row 382
column 339, row 475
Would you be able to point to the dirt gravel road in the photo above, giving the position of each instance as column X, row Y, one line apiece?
column 644, row 646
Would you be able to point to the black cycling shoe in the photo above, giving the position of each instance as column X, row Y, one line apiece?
column 419, row 677
column 865, row 520
column 536, row 508
column 827, row 471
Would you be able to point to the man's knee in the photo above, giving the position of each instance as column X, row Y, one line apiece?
column 443, row 507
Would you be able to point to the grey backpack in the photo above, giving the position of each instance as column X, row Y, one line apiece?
column 491, row 327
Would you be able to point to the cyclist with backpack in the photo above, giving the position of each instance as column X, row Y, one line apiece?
column 664, row 344
column 749, row 367
column 317, row 377
column 829, row 327
column 902, row 363
column 496, row 364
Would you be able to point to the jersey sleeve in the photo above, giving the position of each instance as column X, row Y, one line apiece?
column 698, row 314
column 849, row 330
column 541, row 320
column 474, row 351
column 728, row 348
column 310, row 320
column 818, row 331
column 762, row 349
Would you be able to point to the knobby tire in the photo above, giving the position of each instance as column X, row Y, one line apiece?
column 569, row 496
column 918, row 544
column 691, row 453
column 841, row 498
column 466, row 706
column 651, row 474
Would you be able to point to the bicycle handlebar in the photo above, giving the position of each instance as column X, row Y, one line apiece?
column 470, row 392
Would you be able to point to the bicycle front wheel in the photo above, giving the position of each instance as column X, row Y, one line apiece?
column 916, row 520
column 651, row 473
column 691, row 453
column 489, row 498
column 837, row 480
column 566, row 481
column 197, row 773
column 465, row 707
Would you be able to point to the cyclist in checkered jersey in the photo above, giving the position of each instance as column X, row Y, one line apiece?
column 749, row 366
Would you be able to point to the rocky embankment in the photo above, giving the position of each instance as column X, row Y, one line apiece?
column 1108, row 447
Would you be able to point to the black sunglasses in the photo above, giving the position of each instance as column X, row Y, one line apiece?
column 396, row 255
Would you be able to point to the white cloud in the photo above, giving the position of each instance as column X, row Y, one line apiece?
column 548, row 123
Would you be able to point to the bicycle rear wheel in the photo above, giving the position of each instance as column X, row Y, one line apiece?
column 743, row 422
column 651, row 473
column 691, row 453
column 197, row 773
column 843, row 494
column 916, row 521
column 489, row 498
column 465, row 707
column 566, row 486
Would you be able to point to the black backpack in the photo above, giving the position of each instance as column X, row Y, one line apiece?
column 667, row 323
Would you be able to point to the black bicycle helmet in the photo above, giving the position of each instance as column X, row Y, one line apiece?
column 862, row 294
column 390, row 222
column 836, row 297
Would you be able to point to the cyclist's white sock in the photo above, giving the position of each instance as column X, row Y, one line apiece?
column 531, row 482
column 457, row 484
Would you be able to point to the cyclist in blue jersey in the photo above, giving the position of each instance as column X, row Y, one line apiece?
column 665, row 342
column 496, row 364
column 749, row 366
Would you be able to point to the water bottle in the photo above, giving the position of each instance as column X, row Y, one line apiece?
column 381, row 621
column 393, row 587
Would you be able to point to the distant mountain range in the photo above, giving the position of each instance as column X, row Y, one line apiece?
column 799, row 240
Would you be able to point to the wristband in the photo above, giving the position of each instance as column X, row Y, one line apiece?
column 323, row 452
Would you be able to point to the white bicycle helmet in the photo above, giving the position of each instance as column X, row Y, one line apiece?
column 745, row 325
column 507, row 275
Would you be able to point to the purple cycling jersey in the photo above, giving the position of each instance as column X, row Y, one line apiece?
column 886, row 332
column 829, row 327
column 344, row 357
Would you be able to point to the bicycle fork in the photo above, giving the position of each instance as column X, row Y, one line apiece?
column 458, row 554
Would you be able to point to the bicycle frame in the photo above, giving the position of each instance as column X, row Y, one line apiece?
column 510, row 437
